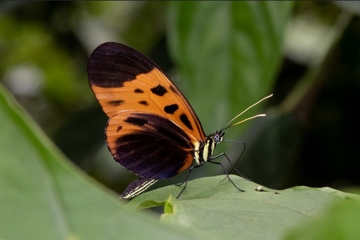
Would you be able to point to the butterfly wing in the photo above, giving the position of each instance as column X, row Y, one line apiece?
column 124, row 79
column 137, row 186
column 152, row 130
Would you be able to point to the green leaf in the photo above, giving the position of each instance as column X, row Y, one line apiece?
column 210, row 209
column 43, row 196
column 227, row 53
column 340, row 221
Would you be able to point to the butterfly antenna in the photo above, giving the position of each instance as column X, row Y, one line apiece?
column 259, row 115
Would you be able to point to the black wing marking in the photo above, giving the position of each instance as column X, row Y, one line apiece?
column 111, row 64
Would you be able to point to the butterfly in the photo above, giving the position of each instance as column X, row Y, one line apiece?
column 152, row 129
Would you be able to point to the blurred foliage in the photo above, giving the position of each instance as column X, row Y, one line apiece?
column 309, row 136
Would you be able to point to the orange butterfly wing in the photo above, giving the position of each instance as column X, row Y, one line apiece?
column 152, row 130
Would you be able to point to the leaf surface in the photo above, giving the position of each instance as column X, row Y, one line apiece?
column 210, row 209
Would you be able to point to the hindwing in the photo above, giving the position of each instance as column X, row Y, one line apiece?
column 149, row 145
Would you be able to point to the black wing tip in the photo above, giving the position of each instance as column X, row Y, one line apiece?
column 112, row 47
column 111, row 64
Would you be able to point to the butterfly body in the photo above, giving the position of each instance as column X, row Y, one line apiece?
column 152, row 130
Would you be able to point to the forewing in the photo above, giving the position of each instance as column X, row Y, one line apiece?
column 124, row 79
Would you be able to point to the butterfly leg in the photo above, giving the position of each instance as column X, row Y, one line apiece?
column 233, row 165
column 187, row 178
column 227, row 175
column 234, row 168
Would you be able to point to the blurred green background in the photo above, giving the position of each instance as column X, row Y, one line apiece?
column 306, row 53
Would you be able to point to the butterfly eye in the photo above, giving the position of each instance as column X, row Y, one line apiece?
column 218, row 137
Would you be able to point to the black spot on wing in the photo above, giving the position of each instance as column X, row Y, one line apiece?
column 136, row 121
column 119, row 128
column 158, row 90
column 111, row 64
column 184, row 119
column 171, row 108
column 116, row 102
column 138, row 90
column 145, row 103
